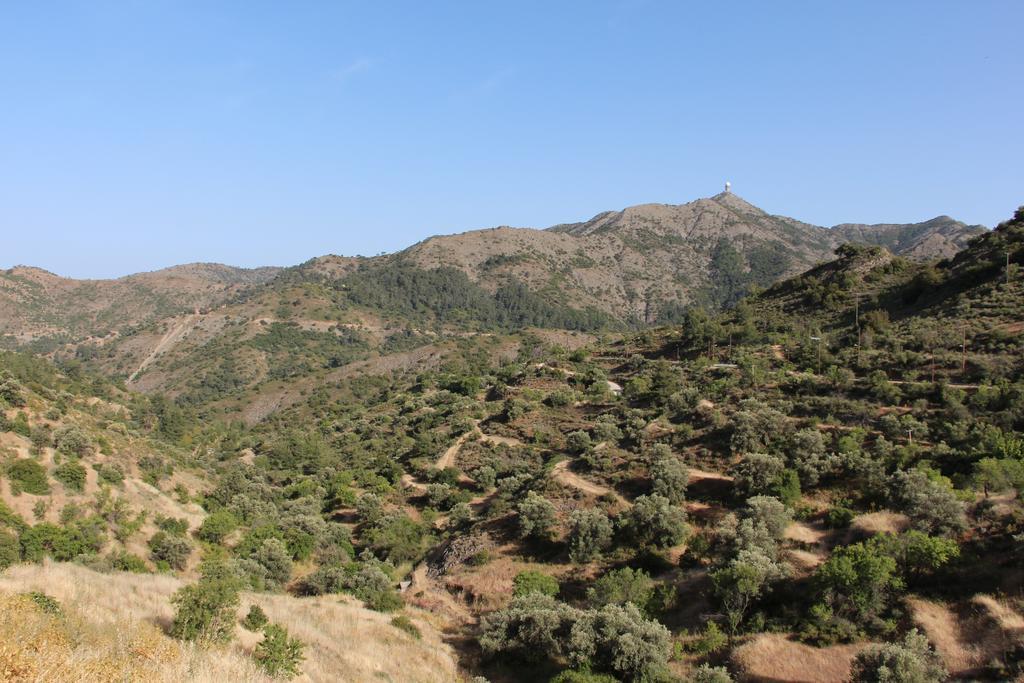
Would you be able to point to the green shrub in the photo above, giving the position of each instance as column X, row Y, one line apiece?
column 535, row 582
column 669, row 477
column 574, row 676
column 278, row 654
column 71, row 474
column 710, row 641
column 395, row 537
column 45, row 603
column 255, row 619
column 216, row 526
column 590, row 534
column 839, row 517
column 127, row 562
column 654, row 522
column 205, row 610
column 112, row 474
column 172, row 525
column 620, row 586
column 28, row 476
column 912, row 661
column 536, row 516
column 169, row 548
column 62, row 543
column 10, row 551
column 71, row 440
column 404, row 623
column 705, row 673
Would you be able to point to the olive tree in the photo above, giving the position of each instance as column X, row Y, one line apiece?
column 669, row 477
column 536, row 516
column 912, row 661
column 930, row 502
column 654, row 522
column 590, row 534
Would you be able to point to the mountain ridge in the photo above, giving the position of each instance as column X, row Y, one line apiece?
column 634, row 266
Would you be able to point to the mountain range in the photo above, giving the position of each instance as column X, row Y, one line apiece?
column 628, row 264
column 202, row 332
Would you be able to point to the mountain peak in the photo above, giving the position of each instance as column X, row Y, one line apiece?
column 735, row 202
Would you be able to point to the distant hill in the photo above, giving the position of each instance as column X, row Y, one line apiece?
column 44, row 310
column 941, row 237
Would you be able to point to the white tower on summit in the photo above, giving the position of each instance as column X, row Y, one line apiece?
column 728, row 187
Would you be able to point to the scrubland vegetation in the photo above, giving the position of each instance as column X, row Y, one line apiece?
column 819, row 483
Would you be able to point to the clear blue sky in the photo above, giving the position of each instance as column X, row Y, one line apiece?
column 143, row 133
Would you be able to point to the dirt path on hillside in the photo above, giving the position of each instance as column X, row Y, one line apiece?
column 495, row 439
column 697, row 475
column 447, row 458
column 560, row 472
column 172, row 336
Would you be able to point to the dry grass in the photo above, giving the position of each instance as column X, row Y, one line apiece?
column 770, row 657
column 969, row 636
column 944, row 629
column 883, row 522
column 114, row 631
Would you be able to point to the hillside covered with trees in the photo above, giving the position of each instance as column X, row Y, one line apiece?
column 821, row 482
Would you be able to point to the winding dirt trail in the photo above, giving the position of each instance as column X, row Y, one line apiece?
column 177, row 331
column 447, row 458
column 561, row 472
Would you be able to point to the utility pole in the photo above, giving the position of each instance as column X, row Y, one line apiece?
column 856, row 320
column 818, row 339
column 963, row 355
column 931, row 353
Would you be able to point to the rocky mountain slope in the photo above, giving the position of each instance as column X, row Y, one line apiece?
column 638, row 263
column 941, row 237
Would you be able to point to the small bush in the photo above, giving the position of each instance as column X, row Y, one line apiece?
column 174, row 550
column 255, row 619
column 10, row 550
column 839, row 517
column 28, row 476
column 535, row 582
column 574, row 676
column 72, row 475
column 205, row 611
column 45, row 603
column 706, row 673
column 404, row 623
column 112, row 474
column 215, row 527
column 278, row 654
column 172, row 525
column 127, row 562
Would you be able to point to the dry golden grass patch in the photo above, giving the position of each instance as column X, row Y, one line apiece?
column 770, row 657
column 873, row 523
column 969, row 636
column 113, row 630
